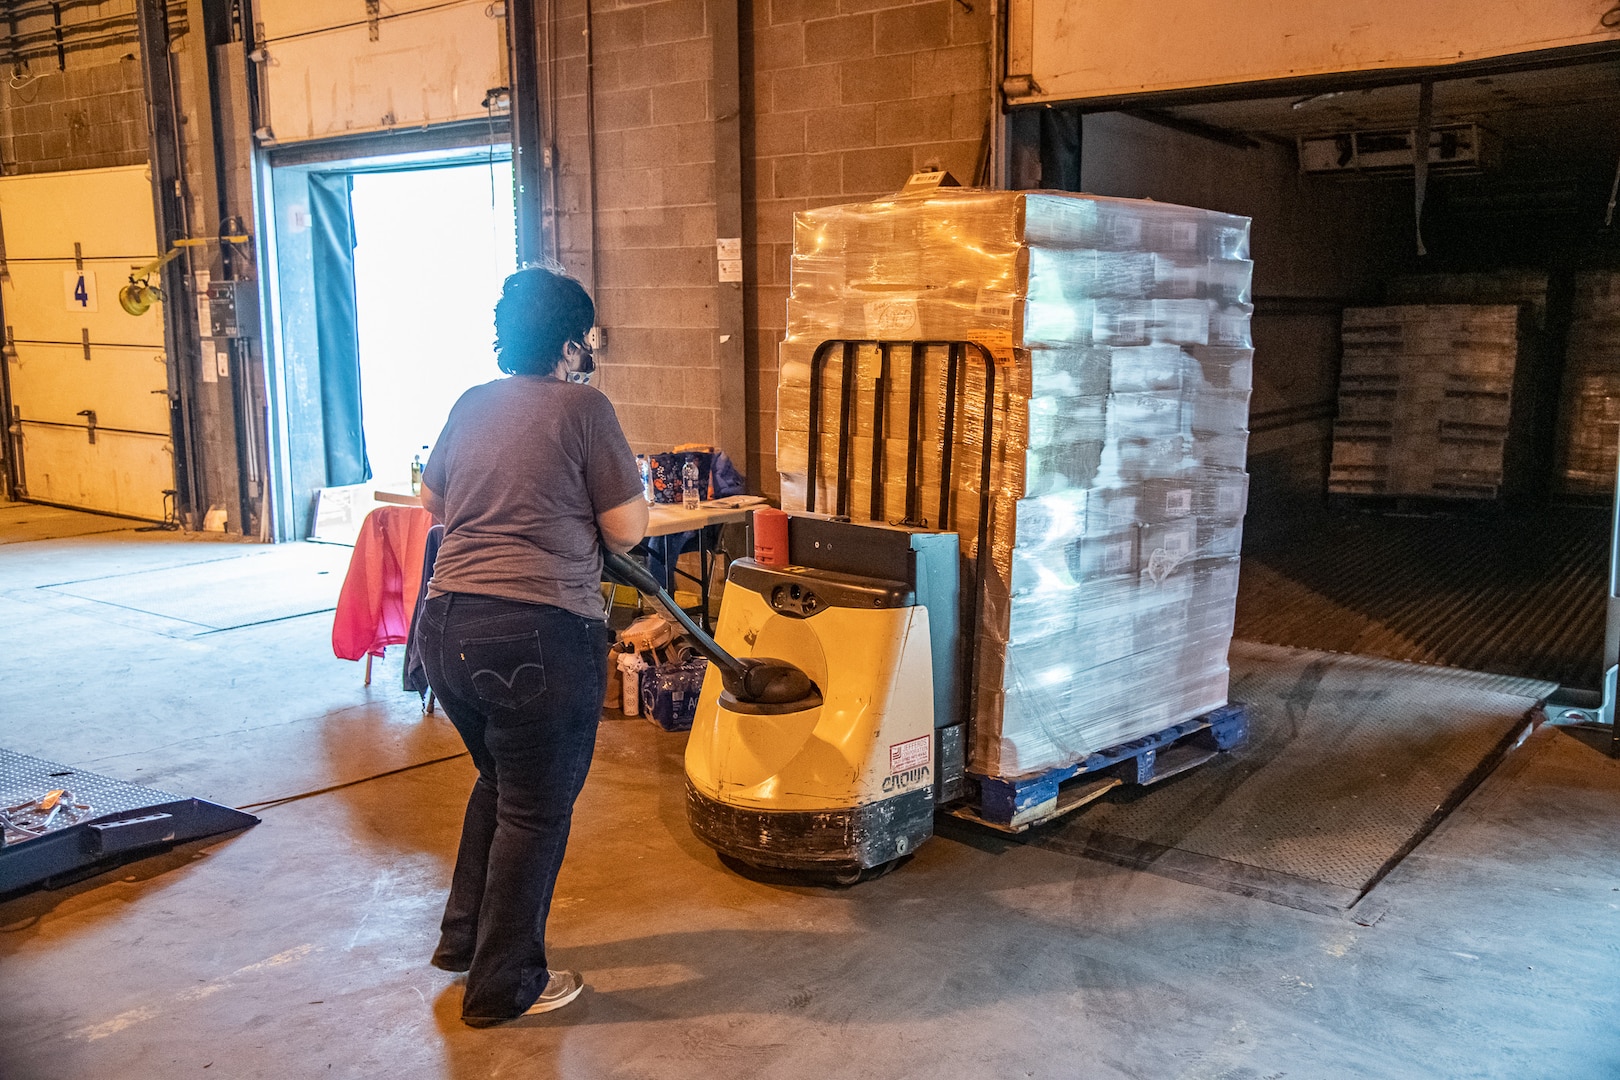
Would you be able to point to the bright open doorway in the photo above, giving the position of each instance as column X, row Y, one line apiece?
column 432, row 247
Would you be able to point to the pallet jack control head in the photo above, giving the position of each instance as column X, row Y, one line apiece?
column 762, row 681
column 751, row 680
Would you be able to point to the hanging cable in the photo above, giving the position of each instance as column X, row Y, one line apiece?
column 1420, row 156
column 1614, row 194
column 489, row 112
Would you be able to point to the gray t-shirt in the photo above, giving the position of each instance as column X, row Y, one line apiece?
column 524, row 465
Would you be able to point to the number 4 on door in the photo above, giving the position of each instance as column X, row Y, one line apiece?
column 80, row 289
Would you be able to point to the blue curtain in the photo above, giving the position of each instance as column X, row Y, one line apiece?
column 337, row 329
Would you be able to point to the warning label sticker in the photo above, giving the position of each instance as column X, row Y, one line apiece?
column 911, row 754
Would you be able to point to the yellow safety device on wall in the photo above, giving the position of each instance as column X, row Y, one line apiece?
column 140, row 294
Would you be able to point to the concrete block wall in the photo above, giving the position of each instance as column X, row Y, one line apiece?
column 86, row 117
column 655, row 232
column 843, row 99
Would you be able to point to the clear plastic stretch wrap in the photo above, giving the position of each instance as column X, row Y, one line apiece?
column 1119, row 427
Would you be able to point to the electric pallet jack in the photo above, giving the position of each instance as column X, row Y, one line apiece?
column 832, row 722
column 828, row 728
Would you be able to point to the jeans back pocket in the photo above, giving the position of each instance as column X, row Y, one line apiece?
column 508, row 671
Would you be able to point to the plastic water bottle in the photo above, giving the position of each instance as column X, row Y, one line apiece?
column 689, row 485
column 646, row 477
column 631, row 667
column 416, row 474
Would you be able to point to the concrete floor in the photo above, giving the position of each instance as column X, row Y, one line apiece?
column 299, row 948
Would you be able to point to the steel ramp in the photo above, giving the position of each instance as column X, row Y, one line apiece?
column 97, row 822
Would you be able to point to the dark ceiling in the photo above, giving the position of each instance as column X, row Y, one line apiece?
column 1568, row 114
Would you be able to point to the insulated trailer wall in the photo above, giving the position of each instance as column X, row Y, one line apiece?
column 1170, row 95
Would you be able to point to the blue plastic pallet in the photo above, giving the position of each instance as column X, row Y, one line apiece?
column 1018, row 803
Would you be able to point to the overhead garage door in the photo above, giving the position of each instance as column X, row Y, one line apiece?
column 1073, row 50
column 89, row 383
column 346, row 68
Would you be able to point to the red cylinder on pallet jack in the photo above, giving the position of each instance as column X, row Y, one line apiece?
column 770, row 537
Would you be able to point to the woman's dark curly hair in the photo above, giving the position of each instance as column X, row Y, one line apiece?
column 540, row 311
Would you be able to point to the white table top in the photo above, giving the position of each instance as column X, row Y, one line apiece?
column 396, row 496
column 662, row 518
column 666, row 518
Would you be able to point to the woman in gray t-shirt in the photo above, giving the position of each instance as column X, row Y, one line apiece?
column 532, row 476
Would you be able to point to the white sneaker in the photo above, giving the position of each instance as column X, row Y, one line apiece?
column 561, row 988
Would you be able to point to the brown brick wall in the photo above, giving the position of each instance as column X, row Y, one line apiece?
column 83, row 118
column 846, row 99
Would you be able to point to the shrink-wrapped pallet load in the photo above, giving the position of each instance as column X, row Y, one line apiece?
column 1120, row 332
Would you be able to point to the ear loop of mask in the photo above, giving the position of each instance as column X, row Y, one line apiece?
column 586, row 368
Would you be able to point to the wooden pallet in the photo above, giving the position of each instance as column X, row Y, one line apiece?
column 1016, row 804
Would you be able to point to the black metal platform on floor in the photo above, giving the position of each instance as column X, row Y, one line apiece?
column 1351, row 762
column 96, row 822
column 1519, row 594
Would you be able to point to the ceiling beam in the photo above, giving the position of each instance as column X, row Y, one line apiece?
column 1197, row 128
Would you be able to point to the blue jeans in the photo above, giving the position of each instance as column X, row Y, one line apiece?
column 523, row 683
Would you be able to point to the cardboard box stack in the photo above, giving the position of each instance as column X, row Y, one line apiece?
column 1425, row 399
column 1120, row 331
column 1589, row 421
column 1526, row 288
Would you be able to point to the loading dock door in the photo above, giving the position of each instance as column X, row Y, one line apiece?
column 89, row 382
column 346, row 69
column 1074, row 50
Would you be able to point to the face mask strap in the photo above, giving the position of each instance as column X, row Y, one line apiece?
column 587, row 364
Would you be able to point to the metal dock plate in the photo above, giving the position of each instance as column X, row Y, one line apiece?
column 95, row 820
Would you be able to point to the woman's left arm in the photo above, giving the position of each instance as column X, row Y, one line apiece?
column 432, row 503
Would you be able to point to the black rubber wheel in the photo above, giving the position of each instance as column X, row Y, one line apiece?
column 847, row 878
column 840, row 878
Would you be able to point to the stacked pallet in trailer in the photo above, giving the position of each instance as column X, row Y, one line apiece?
column 1427, row 400
column 1589, row 428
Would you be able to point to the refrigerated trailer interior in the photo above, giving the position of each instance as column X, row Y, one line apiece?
column 1514, row 205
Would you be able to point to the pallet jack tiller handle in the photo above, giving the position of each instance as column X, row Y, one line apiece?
column 755, row 680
